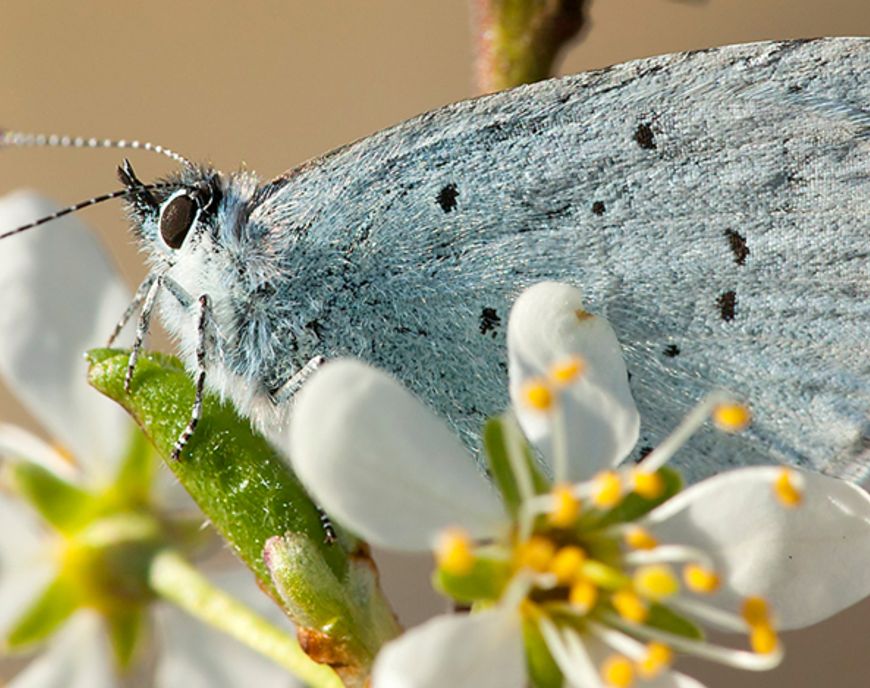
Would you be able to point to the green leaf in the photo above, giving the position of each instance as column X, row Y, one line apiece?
column 633, row 506
column 542, row 668
column 125, row 629
column 485, row 581
column 65, row 506
column 45, row 615
column 251, row 496
column 238, row 480
column 665, row 619
column 495, row 443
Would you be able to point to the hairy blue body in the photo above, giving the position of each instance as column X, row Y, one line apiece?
column 713, row 205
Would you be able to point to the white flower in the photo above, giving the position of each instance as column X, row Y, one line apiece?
column 590, row 565
column 62, row 568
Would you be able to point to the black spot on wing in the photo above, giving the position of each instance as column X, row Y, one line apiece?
column 727, row 303
column 489, row 321
column 738, row 246
column 644, row 136
column 447, row 197
column 599, row 208
column 671, row 351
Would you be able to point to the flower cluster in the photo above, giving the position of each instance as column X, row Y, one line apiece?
column 576, row 569
column 82, row 518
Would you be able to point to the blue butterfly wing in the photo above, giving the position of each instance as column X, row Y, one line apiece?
column 713, row 205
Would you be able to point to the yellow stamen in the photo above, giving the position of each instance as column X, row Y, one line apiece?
column 785, row 489
column 763, row 639
column 583, row 314
column 567, row 507
column 567, row 371
column 755, row 611
column 700, row 579
column 656, row 582
column 658, row 658
column 731, row 417
column 618, row 672
column 64, row 453
column 536, row 553
column 607, row 489
column 566, row 564
column 640, row 538
column 647, row 485
column 454, row 552
column 583, row 595
column 629, row 606
column 537, row 394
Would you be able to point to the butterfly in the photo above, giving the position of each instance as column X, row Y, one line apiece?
column 712, row 205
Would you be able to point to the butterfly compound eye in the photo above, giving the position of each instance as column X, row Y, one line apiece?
column 176, row 219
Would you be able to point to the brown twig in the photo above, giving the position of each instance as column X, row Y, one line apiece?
column 519, row 40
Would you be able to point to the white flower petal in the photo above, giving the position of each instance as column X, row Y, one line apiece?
column 809, row 561
column 380, row 462
column 59, row 297
column 478, row 651
column 194, row 655
column 598, row 414
column 25, row 565
column 19, row 444
column 77, row 657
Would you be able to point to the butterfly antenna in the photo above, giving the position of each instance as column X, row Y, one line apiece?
column 23, row 139
column 73, row 208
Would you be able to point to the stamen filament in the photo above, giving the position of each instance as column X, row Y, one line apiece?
column 740, row 659
column 659, row 456
column 668, row 554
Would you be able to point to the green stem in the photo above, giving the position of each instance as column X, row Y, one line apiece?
column 519, row 40
column 175, row 580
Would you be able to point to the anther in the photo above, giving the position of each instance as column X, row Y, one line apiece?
column 785, row 489
column 731, row 417
column 617, row 671
column 700, row 579
column 583, row 595
column 537, row 394
column 566, row 563
column 656, row 582
column 536, row 553
column 566, row 371
column 639, row 538
column 607, row 490
column 647, row 484
column 657, row 660
column 629, row 606
column 566, row 507
column 454, row 552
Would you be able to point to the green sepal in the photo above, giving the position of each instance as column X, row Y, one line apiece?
column 542, row 668
column 666, row 619
column 125, row 630
column 65, row 506
column 485, row 581
column 495, row 444
column 138, row 468
column 55, row 604
column 633, row 506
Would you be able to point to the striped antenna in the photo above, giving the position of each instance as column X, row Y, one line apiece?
column 74, row 208
column 22, row 139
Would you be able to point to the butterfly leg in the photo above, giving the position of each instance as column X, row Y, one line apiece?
column 138, row 298
column 288, row 389
column 142, row 327
column 201, row 336
column 329, row 534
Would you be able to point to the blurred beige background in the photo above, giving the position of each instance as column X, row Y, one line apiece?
column 270, row 83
